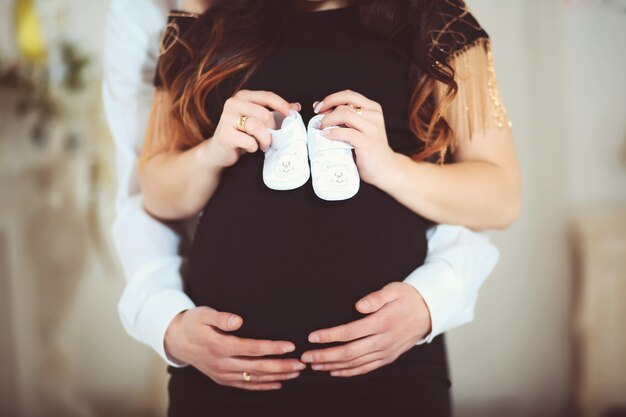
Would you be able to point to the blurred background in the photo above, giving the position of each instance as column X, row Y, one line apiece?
column 549, row 337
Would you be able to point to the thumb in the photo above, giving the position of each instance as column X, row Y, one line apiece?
column 227, row 321
column 374, row 301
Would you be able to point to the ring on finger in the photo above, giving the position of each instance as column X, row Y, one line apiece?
column 246, row 376
column 357, row 109
column 241, row 123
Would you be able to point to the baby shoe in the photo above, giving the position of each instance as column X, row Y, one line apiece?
column 286, row 165
column 335, row 175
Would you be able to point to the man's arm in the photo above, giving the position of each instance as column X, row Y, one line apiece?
column 439, row 295
column 457, row 263
column 147, row 249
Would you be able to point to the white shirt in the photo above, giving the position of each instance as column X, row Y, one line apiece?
column 457, row 263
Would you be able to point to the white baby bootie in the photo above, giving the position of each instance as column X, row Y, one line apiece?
column 335, row 175
column 286, row 164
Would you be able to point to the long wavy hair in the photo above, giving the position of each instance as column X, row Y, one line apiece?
column 198, row 63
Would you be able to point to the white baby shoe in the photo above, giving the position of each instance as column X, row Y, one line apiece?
column 335, row 175
column 286, row 165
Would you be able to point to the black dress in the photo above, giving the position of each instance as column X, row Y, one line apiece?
column 306, row 261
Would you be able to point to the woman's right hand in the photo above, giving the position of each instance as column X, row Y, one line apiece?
column 197, row 337
column 228, row 142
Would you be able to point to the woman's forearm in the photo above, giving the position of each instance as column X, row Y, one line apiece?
column 178, row 185
column 479, row 195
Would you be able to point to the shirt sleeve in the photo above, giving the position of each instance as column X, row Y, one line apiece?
column 457, row 263
column 147, row 249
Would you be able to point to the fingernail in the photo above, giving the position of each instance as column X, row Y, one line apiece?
column 288, row 348
column 307, row 358
column 317, row 366
column 315, row 104
column 326, row 131
column 299, row 366
column 232, row 321
column 318, row 107
column 314, row 338
column 299, row 106
column 293, row 375
column 365, row 304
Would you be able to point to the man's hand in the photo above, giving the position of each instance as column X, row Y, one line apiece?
column 198, row 337
column 398, row 318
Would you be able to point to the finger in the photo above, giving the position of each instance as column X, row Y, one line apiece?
column 346, row 97
column 345, row 115
column 244, row 141
column 222, row 320
column 256, row 378
column 374, row 301
column 321, row 112
column 360, row 328
column 238, row 346
column 266, row 366
column 256, row 129
column 368, row 367
column 263, row 386
column 346, row 134
column 354, row 363
column 247, row 108
column 349, row 351
column 266, row 99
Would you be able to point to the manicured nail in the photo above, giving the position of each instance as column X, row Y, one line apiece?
column 288, row 348
column 232, row 321
column 365, row 304
column 314, row 338
column 307, row 358
column 299, row 106
column 299, row 366
column 315, row 104
column 318, row 107
column 317, row 366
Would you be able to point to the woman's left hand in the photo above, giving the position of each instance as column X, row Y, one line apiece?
column 365, row 130
column 397, row 318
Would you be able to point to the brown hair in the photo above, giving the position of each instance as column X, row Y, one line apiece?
column 198, row 62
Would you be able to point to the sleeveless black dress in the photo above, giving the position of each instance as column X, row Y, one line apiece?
column 290, row 263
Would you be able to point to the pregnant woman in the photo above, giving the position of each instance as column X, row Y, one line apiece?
column 409, row 84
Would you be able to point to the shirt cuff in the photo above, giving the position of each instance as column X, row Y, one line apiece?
column 438, row 284
column 157, row 314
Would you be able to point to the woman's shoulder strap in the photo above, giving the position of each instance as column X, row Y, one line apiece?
column 454, row 31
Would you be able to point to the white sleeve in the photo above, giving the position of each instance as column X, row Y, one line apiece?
column 457, row 263
column 147, row 249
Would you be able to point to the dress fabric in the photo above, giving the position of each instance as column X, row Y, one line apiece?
column 290, row 263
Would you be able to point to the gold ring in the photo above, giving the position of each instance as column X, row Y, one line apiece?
column 357, row 109
column 246, row 376
column 241, row 123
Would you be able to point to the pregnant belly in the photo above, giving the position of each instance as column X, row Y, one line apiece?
column 290, row 263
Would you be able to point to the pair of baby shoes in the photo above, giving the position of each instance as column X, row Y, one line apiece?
column 286, row 166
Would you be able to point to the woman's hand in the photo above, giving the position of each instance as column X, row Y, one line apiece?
column 228, row 142
column 365, row 131
column 398, row 318
column 198, row 337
